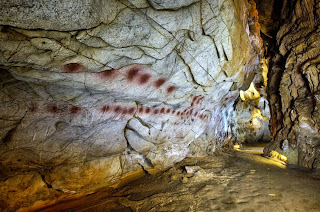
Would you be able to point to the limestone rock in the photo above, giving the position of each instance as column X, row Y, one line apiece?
column 294, row 84
column 58, row 15
column 170, row 5
column 138, row 143
column 92, row 90
column 89, row 175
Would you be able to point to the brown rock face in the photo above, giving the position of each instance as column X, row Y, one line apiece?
column 293, row 85
column 269, row 15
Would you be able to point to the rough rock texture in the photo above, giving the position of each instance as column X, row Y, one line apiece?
column 87, row 97
column 270, row 13
column 245, row 119
column 294, row 85
column 252, row 117
column 170, row 5
column 237, row 182
column 59, row 15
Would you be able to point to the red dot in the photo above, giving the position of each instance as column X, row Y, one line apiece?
column 75, row 109
column 178, row 113
column 199, row 100
column 162, row 110
column 141, row 110
column 124, row 111
column 173, row 111
column 54, row 109
column 132, row 73
column 171, row 88
column 131, row 110
column 201, row 116
column 107, row 74
column 73, row 68
column 32, row 108
column 117, row 109
column 168, row 110
column 148, row 110
column 196, row 113
column 144, row 78
column 159, row 82
column 156, row 111
column 105, row 109
column 194, row 98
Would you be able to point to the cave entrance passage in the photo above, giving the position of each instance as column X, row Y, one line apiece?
column 252, row 148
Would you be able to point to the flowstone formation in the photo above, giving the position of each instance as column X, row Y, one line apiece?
column 93, row 90
column 294, row 82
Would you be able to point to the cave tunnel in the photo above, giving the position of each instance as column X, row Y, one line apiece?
column 159, row 105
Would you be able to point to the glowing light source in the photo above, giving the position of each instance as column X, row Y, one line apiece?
column 277, row 155
column 264, row 66
column 236, row 147
column 250, row 94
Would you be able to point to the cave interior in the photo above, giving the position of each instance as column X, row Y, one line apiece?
column 159, row 105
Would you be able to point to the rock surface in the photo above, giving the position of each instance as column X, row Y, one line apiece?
column 294, row 85
column 226, row 182
column 58, row 15
column 127, row 86
column 170, row 5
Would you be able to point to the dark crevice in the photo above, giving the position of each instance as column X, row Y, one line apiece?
column 7, row 138
column 144, row 170
column 44, row 180
column 225, row 55
column 47, row 184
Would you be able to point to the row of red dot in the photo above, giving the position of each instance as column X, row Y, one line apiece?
column 123, row 110
column 163, row 110
column 53, row 108
column 134, row 74
column 118, row 109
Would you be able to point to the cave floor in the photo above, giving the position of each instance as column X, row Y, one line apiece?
column 234, row 181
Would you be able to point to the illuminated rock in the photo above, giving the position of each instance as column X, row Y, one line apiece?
column 94, row 90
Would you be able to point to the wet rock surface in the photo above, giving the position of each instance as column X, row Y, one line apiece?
column 223, row 182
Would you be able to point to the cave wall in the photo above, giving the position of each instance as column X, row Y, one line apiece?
column 93, row 90
column 293, row 85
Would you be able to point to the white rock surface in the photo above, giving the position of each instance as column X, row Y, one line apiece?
column 170, row 5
